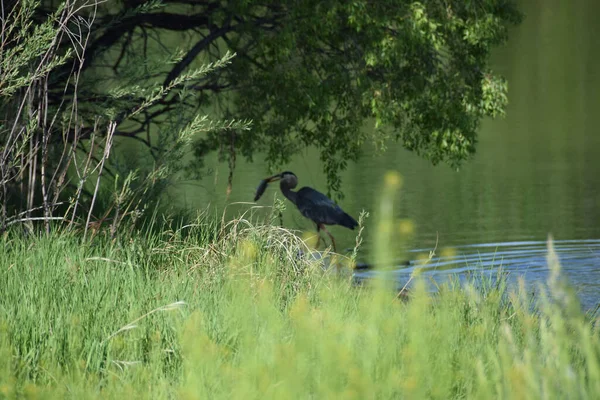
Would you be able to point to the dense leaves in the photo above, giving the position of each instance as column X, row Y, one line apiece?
column 329, row 74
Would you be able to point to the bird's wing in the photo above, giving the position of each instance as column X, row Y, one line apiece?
column 318, row 207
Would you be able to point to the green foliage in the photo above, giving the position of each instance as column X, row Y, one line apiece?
column 339, row 74
column 28, row 49
column 334, row 75
column 55, row 162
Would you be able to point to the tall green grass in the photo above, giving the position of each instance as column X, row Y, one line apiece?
column 234, row 313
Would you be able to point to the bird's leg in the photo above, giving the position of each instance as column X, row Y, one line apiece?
column 331, row 236
column 318, row 236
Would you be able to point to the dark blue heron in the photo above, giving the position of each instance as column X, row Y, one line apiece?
column 312, row 204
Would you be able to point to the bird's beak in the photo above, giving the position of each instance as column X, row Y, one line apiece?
column 273, row 178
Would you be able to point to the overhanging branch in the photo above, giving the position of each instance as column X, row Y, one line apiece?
column 198, row 47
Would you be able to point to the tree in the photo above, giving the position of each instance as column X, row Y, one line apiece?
column 329, row 74
column 54, row 155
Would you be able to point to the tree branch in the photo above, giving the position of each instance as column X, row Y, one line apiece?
column 198, row 47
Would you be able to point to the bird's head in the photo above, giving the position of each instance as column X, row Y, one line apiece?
column 287, row 177
column 288, row 180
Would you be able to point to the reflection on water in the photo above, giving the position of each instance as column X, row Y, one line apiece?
column 580, row 261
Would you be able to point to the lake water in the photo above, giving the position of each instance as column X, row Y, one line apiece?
column 535, row 172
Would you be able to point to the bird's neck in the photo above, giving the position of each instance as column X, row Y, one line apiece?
column 287, row 192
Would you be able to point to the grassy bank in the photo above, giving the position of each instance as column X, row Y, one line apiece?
column 196, row 316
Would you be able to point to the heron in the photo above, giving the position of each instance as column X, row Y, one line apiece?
column 311, row 203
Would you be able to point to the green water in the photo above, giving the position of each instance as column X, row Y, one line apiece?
column 535, row 171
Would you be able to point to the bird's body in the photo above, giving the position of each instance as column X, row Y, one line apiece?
column 311, row 203
column 319, row 208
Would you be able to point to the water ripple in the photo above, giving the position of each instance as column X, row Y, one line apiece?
column 580, row 260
